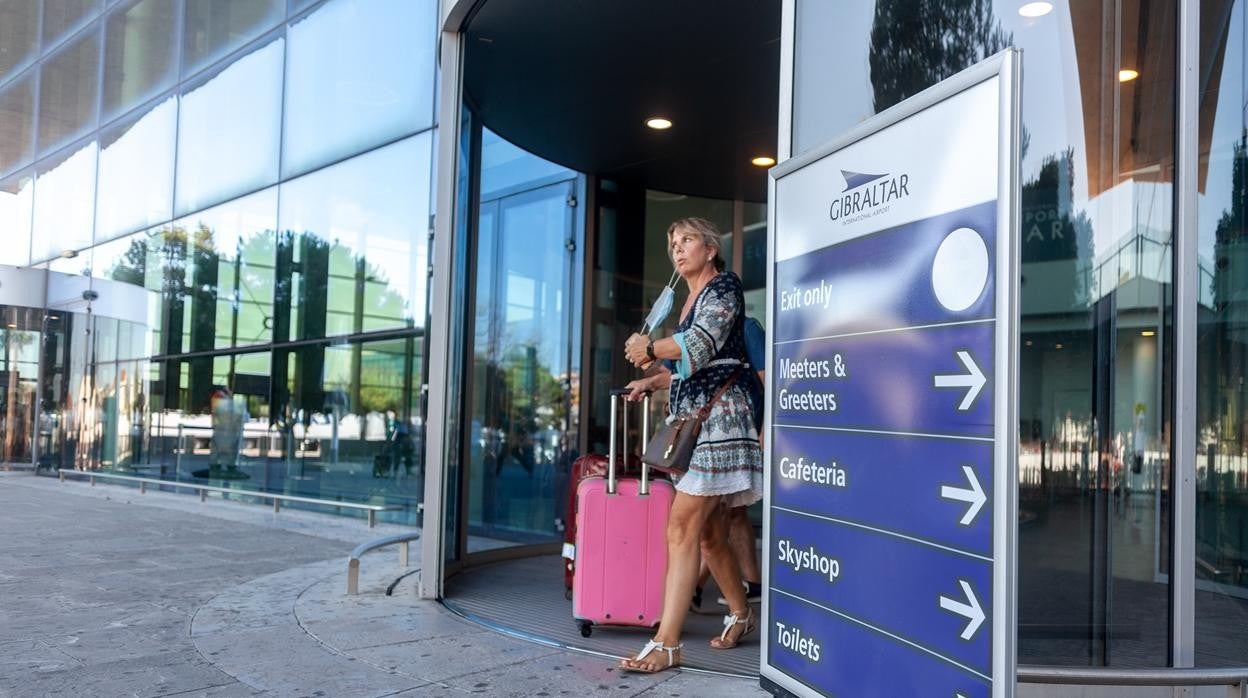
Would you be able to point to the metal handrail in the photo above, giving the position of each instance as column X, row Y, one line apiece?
column 370, row 509
column 353, row 561
column 1235, row 679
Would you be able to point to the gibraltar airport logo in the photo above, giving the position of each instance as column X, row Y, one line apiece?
column 867, row 195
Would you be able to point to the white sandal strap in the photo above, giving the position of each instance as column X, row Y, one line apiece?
column 731, row 619
column 653, row 645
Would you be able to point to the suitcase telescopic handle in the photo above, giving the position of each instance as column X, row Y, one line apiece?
column 618, row 395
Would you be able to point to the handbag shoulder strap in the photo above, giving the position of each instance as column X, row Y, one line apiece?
column 706, row 409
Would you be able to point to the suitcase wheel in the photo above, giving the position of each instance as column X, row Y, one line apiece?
column 587, row 628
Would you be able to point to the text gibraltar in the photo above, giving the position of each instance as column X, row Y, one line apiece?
column 869, row 196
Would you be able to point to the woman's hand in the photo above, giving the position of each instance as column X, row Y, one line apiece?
column 635, row 350
column 638, row 388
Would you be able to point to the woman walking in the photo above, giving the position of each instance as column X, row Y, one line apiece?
column 726, row 468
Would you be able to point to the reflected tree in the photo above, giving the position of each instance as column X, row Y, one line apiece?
column 917, row 43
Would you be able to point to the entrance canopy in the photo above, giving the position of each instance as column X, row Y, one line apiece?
column 575, row 82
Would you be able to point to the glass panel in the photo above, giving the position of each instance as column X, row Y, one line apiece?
column 121, row 272
column 358, row 74
column 662, row 208
column 139, row 59
column 1222, row 344
column 212, row 129
column 357, row 234
column 506, row 167
column 521, row 394
column 216, row 27
column 19, row 34
column 19, row 372
column 65, row 203
column 17, row 122
column 16, row 197
column 61, row 17
column 226, row 256
column 455, row 530
column 1095, row 377
column 136, row 172
column 754, row 261
column 68, row 88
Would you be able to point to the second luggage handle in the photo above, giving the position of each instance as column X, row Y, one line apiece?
column 616, row 395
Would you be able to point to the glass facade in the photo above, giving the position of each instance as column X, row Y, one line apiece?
column 236, row 253
column 1222, row 346
column 231, row 201
column 1097, row 380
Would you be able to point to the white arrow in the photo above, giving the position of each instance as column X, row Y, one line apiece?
column 975, row 496
column 974, row 380
column 971, row 611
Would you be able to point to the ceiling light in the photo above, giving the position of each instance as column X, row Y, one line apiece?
column 1057, row 346
column 658, row 123
column 13, row 325
column 1127, row 75
column 763, row 161
column 1029, row 342
column 1148, row 333
column 1035, row 9
column 69, row 254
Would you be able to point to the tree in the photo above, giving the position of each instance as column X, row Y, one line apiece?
column 917, row 43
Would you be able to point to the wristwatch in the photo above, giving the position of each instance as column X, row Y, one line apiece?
column 650, row 350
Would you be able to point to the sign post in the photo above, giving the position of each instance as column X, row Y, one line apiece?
column 890, row 523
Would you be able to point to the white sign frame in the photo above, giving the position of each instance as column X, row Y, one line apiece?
column 1006, row 68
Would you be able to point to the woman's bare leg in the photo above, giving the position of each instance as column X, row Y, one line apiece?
column 684, row 533
column 725, row 568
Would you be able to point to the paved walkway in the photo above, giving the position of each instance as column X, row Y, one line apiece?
column 104, row 591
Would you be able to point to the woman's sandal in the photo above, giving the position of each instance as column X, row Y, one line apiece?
column 730, row 621
column 651, row 646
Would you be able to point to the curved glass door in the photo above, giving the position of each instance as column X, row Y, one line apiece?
column 520, row 383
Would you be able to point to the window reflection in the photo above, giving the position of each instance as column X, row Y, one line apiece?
column 355, row 237
column 64, row 202
column 140, row 59
column 216, row 27
column 358, row 73
column 68, row 87
column 17, row 122
column 213, row 129
column 1222, row 346
column 225, row 257
column 19, row 34
column 16, row 198
column 61, row 17
column 135, row 187
column 506, row 167
column 1097, row 192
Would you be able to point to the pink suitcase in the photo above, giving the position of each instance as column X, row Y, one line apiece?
column 621, row 541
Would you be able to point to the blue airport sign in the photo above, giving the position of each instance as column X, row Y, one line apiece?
column 889, row 525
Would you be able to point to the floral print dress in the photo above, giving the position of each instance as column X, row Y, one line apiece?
column 727, row 459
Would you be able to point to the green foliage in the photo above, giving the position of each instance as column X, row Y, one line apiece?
column 917, row 43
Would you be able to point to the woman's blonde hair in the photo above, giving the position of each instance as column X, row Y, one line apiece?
column 711, row 237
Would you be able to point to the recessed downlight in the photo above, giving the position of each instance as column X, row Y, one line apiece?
column 1148, row 333
column 1127, row 75
column 1035, row 9
column 763, row 161
column 659, row 123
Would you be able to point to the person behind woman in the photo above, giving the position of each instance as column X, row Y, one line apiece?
column 726, row 467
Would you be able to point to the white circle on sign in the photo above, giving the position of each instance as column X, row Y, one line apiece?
column 960, row 270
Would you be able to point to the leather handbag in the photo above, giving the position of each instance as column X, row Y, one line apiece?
column 671, row 449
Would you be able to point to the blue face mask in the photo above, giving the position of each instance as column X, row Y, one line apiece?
column 661, row 309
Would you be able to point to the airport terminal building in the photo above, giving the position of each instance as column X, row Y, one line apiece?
column 388, row 251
